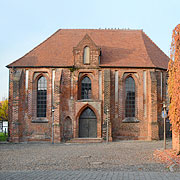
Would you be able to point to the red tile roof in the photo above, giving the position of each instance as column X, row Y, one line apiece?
column 120, row 48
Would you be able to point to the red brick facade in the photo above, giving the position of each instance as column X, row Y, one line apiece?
column 64, row 97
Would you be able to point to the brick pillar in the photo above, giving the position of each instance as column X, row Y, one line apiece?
column 57, row 132
column 153, row 130
column 107, row 99
column 14, row 94
column 116, row 93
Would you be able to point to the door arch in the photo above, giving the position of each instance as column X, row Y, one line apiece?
column 88, row 124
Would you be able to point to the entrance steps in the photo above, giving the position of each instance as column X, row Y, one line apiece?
column 85, row 140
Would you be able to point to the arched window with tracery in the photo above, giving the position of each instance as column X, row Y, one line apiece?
column 130, row 97
column 86, row 55
column 86, row 88
column 41, row 96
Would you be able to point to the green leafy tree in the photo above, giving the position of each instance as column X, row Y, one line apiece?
column 4, row 110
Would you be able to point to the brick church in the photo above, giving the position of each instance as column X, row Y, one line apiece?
column 72, row 84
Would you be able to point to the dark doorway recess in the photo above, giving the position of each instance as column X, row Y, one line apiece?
column 88, row 124
column 67, row 129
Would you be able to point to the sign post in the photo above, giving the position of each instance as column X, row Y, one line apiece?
column 164, row 115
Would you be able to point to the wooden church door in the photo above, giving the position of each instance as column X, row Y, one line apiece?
column 87, row 124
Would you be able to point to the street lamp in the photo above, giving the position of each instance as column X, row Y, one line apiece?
column 52, row 124
column 107, row 131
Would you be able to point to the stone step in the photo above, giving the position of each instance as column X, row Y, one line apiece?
column 85, row 140
column 117, row 138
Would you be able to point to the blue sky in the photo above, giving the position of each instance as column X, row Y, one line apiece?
column 26, row 23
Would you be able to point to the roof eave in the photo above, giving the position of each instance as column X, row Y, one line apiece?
column 8, row 66
column 101, row 66
column 141, row 67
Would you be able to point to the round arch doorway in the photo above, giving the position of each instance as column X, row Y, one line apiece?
column 88, row 124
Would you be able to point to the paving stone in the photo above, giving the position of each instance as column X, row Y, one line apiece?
column 120, row 160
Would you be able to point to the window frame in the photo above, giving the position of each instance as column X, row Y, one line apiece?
column 130, row 99
column 136, row 106
column 87, row 86
column 32, row 99
column 41, row 97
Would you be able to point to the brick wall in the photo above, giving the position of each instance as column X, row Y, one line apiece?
column 24, row 125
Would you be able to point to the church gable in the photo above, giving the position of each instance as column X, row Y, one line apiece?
column 86, row 53
column 69, row 86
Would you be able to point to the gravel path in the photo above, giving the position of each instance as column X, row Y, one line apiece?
column 115, row 156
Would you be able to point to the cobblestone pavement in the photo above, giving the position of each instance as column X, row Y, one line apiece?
column 86, row 175
column 116, row 160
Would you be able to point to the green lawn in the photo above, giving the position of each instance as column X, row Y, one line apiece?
column 3, row 137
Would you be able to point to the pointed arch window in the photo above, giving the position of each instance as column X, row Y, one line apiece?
column 86, row 88
column 86, row 55
column 41, row 96
column 130, row 97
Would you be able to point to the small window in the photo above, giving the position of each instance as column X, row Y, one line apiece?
column 86, row 55
column 100, row 57
column 130, row 97
column 86, row 88
column 41, row 96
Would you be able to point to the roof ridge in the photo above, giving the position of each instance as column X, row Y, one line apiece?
column 117, row 29
column 34, row 48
